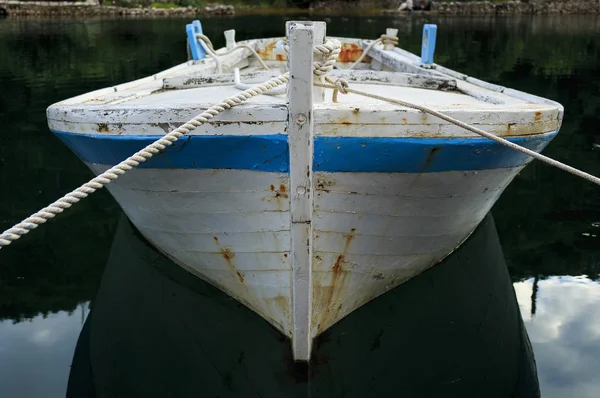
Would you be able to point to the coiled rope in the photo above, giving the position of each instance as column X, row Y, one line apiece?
column 330, row 50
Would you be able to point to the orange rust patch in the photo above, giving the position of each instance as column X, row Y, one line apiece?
column 285, row 255
column 240, row 276
column 227, row 254
column 272, row 187
column 404, row 120
column 538, row 116
column 337, row 267
column 268, row 53
column 281, row 192
column 351, row 52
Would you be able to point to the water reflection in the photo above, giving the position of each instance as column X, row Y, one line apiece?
column 35, row 354
column 565, row 330
column 156, row 330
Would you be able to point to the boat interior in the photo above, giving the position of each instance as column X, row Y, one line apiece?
column 240, row 65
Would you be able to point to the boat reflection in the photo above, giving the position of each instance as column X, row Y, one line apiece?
column 453, row 331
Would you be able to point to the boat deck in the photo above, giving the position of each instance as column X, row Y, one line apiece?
column 176, row 95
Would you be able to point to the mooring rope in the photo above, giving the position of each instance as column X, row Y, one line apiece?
column 208, row 47
column 330, row 50
column 341, row 85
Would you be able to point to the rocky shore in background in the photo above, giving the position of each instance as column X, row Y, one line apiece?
column 92, row 8
column 510, row 7
column 390, row 7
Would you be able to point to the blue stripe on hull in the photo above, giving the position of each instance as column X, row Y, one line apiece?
column 257, row 152
column 420, row 155
column 332, row 154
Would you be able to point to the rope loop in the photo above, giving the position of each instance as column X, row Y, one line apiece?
column 386, row 39
column 342, row 86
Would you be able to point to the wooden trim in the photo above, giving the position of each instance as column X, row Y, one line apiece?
column 302, row 36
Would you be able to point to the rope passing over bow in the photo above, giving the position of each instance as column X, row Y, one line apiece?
column 342, row 86
column 330, row 50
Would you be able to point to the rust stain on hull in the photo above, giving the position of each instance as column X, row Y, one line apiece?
column 278, row 194
column 228, row 255
column 283, row 304
column 329, row 298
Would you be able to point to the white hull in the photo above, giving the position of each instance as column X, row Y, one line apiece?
column 371, row 231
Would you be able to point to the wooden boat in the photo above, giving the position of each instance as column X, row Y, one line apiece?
column 453, row 331
column 303, row 208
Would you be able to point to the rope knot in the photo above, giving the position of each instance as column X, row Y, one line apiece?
column 330, row 51
column 342, row 86
column 386, row 39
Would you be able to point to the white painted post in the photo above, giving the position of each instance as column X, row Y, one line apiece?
column 229, row 38
column 318, row 38
column 390, row 32
column 302, row 36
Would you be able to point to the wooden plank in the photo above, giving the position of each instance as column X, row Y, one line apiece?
column 360, row 76
column 180, row 82
column 302, row 36
column 395, row 79
column 394, row 60
column 179, row 113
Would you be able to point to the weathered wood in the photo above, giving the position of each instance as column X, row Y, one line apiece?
column 202, row 80
column 394, row 60
column 301, row 38
column 358, row 76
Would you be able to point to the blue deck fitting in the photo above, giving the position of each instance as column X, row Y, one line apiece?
column 428, row 44
column 196, row 49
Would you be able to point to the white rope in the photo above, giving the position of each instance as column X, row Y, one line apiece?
column 237, row 83
column 330, row 49
column 208, row 47
column 342, row 86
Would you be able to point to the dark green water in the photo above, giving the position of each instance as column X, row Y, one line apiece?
column 547, row 221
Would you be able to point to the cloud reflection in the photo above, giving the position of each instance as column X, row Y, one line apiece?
column 35, row 355
column 565, row 334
